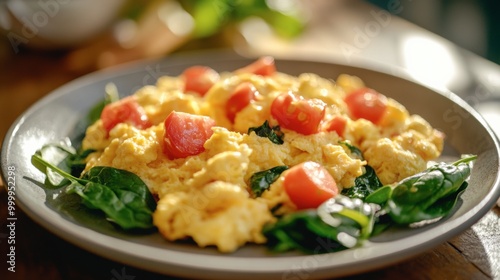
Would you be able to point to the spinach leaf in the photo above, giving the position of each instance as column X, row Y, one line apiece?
column 111, row 95
column 364, row 185
column 120, row 194
column 429, row 194
column 444, row 205
column 64, row 156
column 77, row 161
column 94, row 114
column 304, row 231
column 339, row 223
column 261, row 181
column 273, row 133
column 122, row 180
column 379, row 196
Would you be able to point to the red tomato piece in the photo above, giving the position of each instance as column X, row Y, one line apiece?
column 366, row 103
column 337, row 124
column 126, row 110
column 263, row 66
column 185, row 134
column 243, row 95
column 199, row 79
column 297, row 113
column 309, row 184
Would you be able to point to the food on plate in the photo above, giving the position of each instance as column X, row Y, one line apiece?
column 254, row 155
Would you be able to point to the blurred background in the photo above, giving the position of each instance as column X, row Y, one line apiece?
column 46, row 43
column 471, row 24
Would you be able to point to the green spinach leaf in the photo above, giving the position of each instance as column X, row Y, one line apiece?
column 64, row 156
column 261, row 181
column 364, row 185
column 120, row 194
column 111, row 95
column 338, row 224
column 429, row 194
column 379, row 196
column 274, row 134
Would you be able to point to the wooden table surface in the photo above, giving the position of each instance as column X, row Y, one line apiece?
column 28, row 76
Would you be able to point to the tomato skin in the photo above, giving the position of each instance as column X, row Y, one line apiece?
column 263, row 66
column 366, row 103
column 297, row 113
column 185, row 134
column 337, row 124
column 242, row 95
column 309, row 184
column 126, row 110
column 199, row 79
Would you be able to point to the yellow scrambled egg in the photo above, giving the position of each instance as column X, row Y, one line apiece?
column 206, row 197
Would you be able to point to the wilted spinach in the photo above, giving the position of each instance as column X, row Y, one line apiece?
column 429, row 194
column 339, row 223
column 111, row 95
column 274, row 134
column 261, row 181
column 120, row 194
column 364, row 185
column 66, row 158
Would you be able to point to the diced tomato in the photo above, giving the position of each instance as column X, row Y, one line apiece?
column 199, row 79
column 366, row 103
column 242, row 95
column 309, row 184
column 337, row 124
column 297, row 113
column 185, row 134
column 126, row 110
column 263, row 66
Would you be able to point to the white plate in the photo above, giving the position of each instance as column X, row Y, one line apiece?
column 59, row 115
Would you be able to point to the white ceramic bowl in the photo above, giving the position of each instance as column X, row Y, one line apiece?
column 56, row 23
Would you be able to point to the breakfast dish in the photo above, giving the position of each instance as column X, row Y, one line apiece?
column 237, row 157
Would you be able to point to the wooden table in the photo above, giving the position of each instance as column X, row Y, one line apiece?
column 29, row 75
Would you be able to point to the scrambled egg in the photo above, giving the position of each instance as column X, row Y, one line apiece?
column 206, row 197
